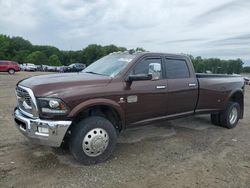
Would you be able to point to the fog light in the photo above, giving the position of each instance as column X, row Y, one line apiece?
column 43, row 130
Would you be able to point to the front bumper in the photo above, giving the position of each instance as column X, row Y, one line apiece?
column 30, row 128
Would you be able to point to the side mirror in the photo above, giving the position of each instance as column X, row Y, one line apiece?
column 138, row 77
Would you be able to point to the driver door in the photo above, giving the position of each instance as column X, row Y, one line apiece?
column 146, row 99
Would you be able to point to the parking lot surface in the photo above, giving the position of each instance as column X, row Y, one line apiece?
column 188, row 152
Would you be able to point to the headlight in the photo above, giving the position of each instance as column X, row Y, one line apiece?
column 52, row 105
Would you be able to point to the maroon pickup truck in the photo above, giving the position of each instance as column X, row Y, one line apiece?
column 89, row 109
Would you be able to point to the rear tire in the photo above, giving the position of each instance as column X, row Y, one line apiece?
column 231, row 115
column 11, row 71
column 93, row 140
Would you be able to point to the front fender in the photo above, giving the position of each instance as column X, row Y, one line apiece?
column 97, row 102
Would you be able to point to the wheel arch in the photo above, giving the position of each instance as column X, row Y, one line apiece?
column 238, row 96
column 11, row 69
column 102, row 107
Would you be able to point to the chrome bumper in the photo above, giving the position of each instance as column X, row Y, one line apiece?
column 29, row 127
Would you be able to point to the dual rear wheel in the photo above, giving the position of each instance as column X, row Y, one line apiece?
column 229, row 117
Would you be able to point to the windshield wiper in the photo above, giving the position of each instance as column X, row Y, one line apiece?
column 91, row 72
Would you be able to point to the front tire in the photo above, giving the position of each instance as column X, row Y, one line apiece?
column 11, row 71
column 93, row 140
column 231, row 115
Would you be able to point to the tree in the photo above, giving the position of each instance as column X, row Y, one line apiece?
column 21, row 50
column 47, row 50
column 20, row 56
column 246, row 69
column 112, row 48
column 18, row 43
column 93, row 52
column 216, row 65
column 54, row 60
column 4, row 47
column 37, row 57
column 139, row 49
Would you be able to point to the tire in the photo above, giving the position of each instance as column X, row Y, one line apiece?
column 215, row 119
column 231, row 115
column 11, row 71
column 93, row 134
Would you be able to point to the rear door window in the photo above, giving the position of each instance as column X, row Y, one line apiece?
column 176, row 68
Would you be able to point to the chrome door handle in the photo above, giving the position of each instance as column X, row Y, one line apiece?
column 191, row 85
column 160, row 87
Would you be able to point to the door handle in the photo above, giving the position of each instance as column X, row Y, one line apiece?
column 191, row 85
column 160, row 87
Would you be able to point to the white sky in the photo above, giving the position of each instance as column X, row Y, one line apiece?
column 209, row 28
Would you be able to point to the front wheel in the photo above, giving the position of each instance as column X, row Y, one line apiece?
column 231, row 115
column 93, row 140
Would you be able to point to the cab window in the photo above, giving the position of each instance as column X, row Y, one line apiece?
column 176, row 68
column 149, row 66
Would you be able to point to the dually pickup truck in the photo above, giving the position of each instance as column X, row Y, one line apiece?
column 89, row 109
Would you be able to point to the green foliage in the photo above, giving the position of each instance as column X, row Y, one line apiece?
column 54, row 60
column 47, row 50
column 93, row 52
column 22, row 51
column 20, row 56
column 140, row 49
column 217, row 66
column 246, row 69
column 18, row 43
column 37, row 57
column 4, row 47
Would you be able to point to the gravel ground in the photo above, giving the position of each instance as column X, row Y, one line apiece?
column 188, row 152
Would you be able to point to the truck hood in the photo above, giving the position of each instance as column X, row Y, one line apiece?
column 57, row 84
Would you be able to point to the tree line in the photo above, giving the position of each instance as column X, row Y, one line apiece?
column 22, row 51
column 217, row 66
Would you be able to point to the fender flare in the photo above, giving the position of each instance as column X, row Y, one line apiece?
column 242, row 104
column 97, row 102
column 233, row 92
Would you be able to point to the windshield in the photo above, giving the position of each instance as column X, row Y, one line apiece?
column 110, row 65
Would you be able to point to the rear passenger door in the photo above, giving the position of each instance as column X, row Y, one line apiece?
column 182, row 86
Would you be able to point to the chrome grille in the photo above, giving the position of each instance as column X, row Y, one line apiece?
column 24, row 100
column 23, row 94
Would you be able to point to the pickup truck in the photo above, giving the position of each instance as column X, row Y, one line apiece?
column 89, row 109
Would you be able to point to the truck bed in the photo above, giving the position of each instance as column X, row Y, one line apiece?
column 204, row 75
column 214, row 90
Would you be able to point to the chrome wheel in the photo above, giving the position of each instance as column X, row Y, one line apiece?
column 95, row 142
column 233, row 115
